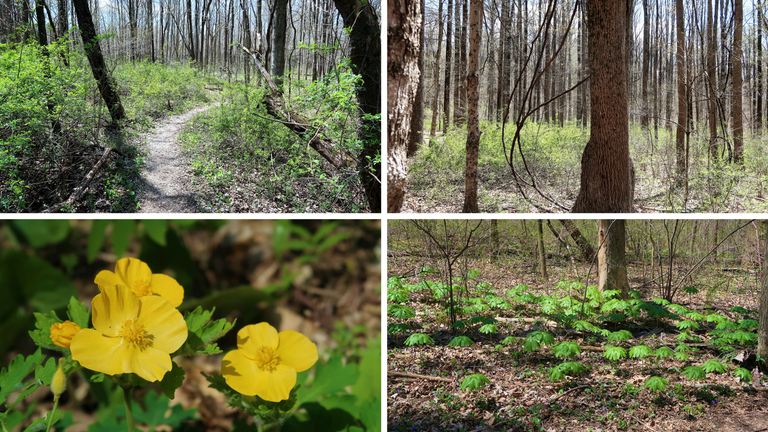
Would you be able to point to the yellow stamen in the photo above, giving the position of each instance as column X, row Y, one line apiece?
column 135, row 334
column 142, row 288
column 266, row 359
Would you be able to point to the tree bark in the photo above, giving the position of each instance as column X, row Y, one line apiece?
column 417, row 119
column 447, row 82
column 762, row 331
column 682, row 96
column 542, row 254
column 587, row 251
column 646, row 61
column 151, row 36
column 433, row 127
column 711, row 74
column 611, row 260
column 365, row 56
column 106, row 83
column 736, row 112
column 607, row 176
column 404, row 21
column 278, row 45
column 473, row 120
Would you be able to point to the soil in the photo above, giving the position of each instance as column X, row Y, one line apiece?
column 165, row 174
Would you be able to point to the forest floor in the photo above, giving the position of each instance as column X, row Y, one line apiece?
column 165, row 173
column 609, row 396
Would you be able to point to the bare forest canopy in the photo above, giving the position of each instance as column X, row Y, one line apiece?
column 166, row 56
column 696, row 96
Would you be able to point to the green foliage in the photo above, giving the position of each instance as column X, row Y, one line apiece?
column 694, row 373
column 202, row 332
column 614, row 353
column 510, row 340
column 400, row 311
column 664, row 352
column 748, row 324
column 419, row 339
column 397, row 295
column 566, row 349
column 716, row 318
column 743, row 374
column 656, row 384
column 687, row 324
column 620, row 336
column 398, row 328
column 536, row 339
column 713, row 366
column 294, row 237
column 586, row 326
column 567, row 368
column 462, row 341
column 475, row 381
column 156, row 413
column 489, row 329
column 640, row 351
column 12, row 378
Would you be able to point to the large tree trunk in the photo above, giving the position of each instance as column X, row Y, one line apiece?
column 447, row 82
column 611, row 261
column 106, row 84
column 607, row 176
column 682, row 96
column 587, row 252
column 762, row 331
column 278, row 63
column 473, row 121
column 404, row 21
column 738, row 128
column 365, row 56
column 62, row 18
column 151, row 35
column 417, row 118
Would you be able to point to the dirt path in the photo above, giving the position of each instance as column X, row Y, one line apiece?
column 165, row 172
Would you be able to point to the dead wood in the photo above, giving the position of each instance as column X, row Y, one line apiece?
column 326, row 147
column 417, row 376
column 80, row 190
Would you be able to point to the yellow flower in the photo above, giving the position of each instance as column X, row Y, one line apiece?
column 59, row 382
column 132, row 334
column 136, row 275
column 62, row 333
column 265, row 363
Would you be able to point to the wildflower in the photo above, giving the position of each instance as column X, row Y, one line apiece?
column 132, row 334
column 62, row 333
column 265, row 363
column 59, row 382
column 136, row 275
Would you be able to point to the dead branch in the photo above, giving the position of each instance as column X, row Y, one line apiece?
column 417, row 376
column 80, row 190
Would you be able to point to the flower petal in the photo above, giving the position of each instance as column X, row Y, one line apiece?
column 97, row 352
column 239, row 371
column 251, row 337
column 132, row 270
column 163, row 323
column 296, row 351
column 114, row 305
column 106, row 278
column 150, row 363
column 276, row 385
column 167, row 287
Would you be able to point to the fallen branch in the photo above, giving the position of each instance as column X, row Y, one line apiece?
column 417, row 376
column 327, row 148
column 583, row 386
column 80, row 190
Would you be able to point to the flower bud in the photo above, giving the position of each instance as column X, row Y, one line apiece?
column 59, row 383
column 62, row 333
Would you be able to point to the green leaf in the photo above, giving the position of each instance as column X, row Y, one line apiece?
column 44, row 374
column 714, row 366
column 687, row 324
column 330, row 378
column 620, row 336
column 96, row 238
column 400, row 311
column 12, row 379
column 155, row 415
column 41, row 232
column 614, row 353
column 656, row 384
column 664, row 352
column 418, row 339
column 475, row 381
column 42, row 336
column 121, row 235
column 566, row 349
column 743, row 374
column 35, row 281
column 488, row 329
column 694, row 373
column 509, row 340
column 77, row 312
column 156, row 229
column 398, row 328
column 201, row 332
column 97, row 378
column 748, row 324
column 41, row 424
column 640, row 351
column 172, row 380
column 368, row 386
column 536, row 339
column 681, row 356
column 461, row 341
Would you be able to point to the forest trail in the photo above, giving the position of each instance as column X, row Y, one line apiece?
column 165, row 171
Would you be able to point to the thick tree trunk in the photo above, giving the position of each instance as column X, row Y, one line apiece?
column 365, row 56
column 417, row 118
column 106, row 84
column 278, row 45
column 738, row 128
column 587, row 251
column 447, row 82
column 473, row 120
column 404, row 21
column 190, row 34
column 762, row 331
column 611, row 261
column 62, row 18
column 607, row 176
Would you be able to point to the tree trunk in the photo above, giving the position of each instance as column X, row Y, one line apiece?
column 711, row 82
column 417, row 118
column 611, row 261
column 607, row 176
column 759, row 78
column 682, row 97
column 62, row 18
column 278, row 45
column 132, row 12
column 106, row 84
column 738, row 129
column 151, row 36
column 448, row 54
column 542, row 254
column 190, row 35
column 587, row 252
column 365, row 56
column 473, row 121
column 433, row 127
column 762, row 331
column 646, row 61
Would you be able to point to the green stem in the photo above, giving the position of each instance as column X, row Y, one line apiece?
column 127, row 391
column 53, row 414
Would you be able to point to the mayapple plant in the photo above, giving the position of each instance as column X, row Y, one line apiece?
column 136, row 330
